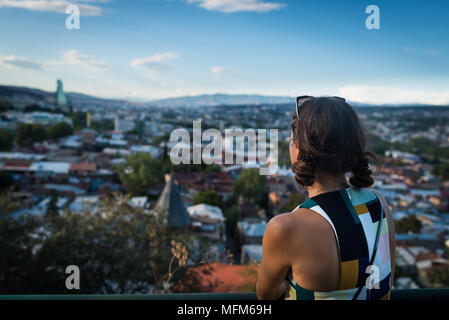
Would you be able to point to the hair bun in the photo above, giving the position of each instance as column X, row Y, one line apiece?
column 304, row 173
column 361, row 174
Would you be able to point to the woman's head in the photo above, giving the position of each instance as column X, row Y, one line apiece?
column 328, row 140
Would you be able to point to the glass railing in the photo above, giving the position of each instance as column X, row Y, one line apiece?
column 403, row 294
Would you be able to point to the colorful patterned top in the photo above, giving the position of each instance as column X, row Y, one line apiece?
column 354, row 215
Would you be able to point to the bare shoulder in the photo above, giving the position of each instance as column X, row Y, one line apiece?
column 297, row 222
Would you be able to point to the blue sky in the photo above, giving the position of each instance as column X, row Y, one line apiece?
column 149, row 49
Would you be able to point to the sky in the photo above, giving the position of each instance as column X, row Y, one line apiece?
column 152, row 49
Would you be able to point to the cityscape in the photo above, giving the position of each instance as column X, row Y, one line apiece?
column 88, row 181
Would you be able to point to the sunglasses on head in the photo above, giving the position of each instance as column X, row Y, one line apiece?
column 300, row 101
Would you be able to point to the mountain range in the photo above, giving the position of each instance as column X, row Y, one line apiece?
column 205, row 100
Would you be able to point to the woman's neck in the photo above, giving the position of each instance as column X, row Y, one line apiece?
column 327, row 184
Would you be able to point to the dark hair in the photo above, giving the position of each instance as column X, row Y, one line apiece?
column 331, row 140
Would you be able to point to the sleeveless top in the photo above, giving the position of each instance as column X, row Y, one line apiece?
column 354, row 215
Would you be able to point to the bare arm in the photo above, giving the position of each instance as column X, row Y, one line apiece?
column 271, row 284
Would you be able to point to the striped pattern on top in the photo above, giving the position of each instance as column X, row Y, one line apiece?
column 354, row 215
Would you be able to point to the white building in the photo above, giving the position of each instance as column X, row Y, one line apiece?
column 252, row 230
column 50, row 167
column 83, row 203
column 251, row 253
column 205, row 210
column 124, row 125
column 155, row 152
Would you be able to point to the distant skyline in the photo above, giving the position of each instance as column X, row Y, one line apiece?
column 154, row 49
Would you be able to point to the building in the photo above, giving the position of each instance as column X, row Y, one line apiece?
column 153, row 151
column 83, row 168
column 170, row 206
column 251, row 253
column 208, row 220
column 252, row 231
column 61, row 100
column 124, row 125
column 192, row 182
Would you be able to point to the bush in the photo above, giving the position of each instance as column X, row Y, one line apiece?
column 6, row 140
column 408, row 224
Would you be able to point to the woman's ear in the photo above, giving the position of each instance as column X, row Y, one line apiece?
column 294, row 151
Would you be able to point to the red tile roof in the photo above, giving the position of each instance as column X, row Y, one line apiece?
column 83, row 166
column 223, row 277
column 16, row 165
column 428, row 256
column 202, row 181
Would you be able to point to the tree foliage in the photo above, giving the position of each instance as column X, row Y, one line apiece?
column 441, row 170
column 440, row 276
column 251, row 185
column 139, row 173
column 408, row 224
column 27, row 134
column 210, row 197
column 232, row 217
column 293, row 201
column 60, row 130
column 6, row 140
column 119, row 249
column 78, row 119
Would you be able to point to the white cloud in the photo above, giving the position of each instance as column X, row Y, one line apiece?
column 69, row 58
column 389, row 95
column 74, row 58
column 155, row 65
column 20, row 62
column 58, row 6
column 155, row 62
column 218, row 70
column 431, row 52
column 238, row 5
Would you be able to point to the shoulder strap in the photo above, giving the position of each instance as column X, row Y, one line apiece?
column 376, row 243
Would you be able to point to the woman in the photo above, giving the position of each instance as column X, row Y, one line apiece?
column 339, row 244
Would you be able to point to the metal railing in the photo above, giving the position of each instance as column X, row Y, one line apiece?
column 415, row 294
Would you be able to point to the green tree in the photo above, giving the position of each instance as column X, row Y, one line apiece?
column 119, row 249
column 441, row 170
column 139, row 173
column 7, row 203
column 27, row 134
column 293, row 201
column 78, row 119
column 232, row 217
column 408, row 224
column 60, row 130
column 377, row 145
column 440, row 276
column 210, row 197
column 251, row 185
column 6, row 140
column 5, row 105
column 52, row 206
column 156, row 140
column 18, row 238
column 284, row 154
column 103, row 125
column 6, row 181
